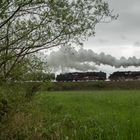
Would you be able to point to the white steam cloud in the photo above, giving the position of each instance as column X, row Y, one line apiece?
column 82, row 59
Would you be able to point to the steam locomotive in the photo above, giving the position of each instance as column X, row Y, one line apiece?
column 97, row 76
column 125, row 76
column 81, row 76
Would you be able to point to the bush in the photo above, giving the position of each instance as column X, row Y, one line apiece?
column 99, row 85
column 4, row 109
column 19, row 118
column 31, row 89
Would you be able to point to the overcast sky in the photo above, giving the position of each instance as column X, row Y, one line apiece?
column 120, row 37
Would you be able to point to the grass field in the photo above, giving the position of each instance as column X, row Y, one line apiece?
column 91, row 115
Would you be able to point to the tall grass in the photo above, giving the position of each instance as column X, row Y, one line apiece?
column 97, row 115
column 73, row 115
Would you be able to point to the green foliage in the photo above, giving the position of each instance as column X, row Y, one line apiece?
column 22, row 126
column 4, row 108
column 100, row 84
column 30, row 68
column 39, row 76
column 30, row 26
column 31, row 89
column 19, row 118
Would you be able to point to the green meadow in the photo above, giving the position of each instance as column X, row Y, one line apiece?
column 90, row 115
column 69, row 115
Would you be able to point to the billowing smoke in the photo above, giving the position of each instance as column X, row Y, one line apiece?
column 82, row 59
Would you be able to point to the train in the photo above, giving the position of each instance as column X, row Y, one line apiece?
column 85, row 76
column 98, row 76
column 125, row 76
column 81, row 76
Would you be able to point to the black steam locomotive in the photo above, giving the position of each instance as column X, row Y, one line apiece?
column 125, row 76
column 81, row 76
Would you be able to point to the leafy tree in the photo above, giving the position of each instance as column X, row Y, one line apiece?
column 28, row 26
column 28, row 68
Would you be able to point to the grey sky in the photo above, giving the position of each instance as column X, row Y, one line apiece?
column 122, row 34
column 120, row 37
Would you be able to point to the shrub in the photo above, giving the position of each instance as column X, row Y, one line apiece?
column 19, row 119
column 99, row 84
column 31, row 89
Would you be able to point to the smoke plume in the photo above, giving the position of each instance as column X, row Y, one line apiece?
column 82, row 59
